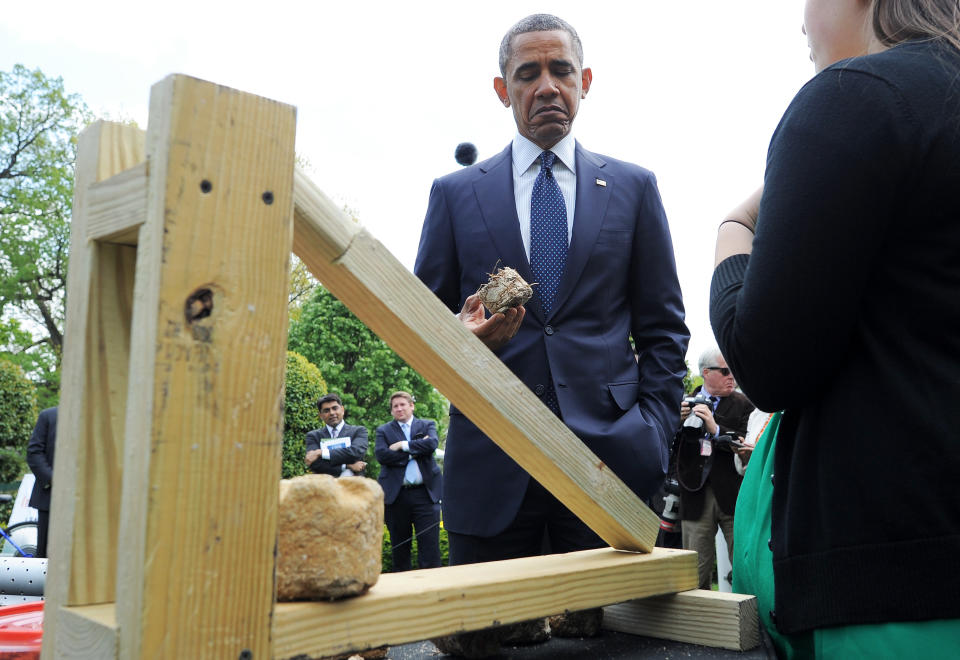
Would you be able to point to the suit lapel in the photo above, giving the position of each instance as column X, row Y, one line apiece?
column 395, row 427
column 592, row 201
column 498, row 208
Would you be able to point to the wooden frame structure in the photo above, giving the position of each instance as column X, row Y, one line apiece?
column 165, row 491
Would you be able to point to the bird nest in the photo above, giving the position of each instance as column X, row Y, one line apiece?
column 504, row 289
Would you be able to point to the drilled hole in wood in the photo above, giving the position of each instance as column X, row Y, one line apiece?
column 199, row 305
column 205, row 186
column 268, row 198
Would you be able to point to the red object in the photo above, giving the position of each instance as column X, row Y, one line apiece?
column 21, row 631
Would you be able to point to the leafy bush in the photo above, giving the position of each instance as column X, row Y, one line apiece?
column 304, row 385
column 18, row 414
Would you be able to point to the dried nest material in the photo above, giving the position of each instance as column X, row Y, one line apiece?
column 504, row 290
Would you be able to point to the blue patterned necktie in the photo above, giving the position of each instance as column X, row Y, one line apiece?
column 548, row 233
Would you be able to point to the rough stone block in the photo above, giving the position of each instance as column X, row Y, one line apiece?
column 329, row 537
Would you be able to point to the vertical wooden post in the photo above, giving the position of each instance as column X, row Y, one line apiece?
column 205, row 406
column 87, row 469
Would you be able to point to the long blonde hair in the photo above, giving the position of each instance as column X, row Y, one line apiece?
column 895, row 21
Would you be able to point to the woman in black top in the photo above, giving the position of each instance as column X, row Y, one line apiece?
column 843, row 311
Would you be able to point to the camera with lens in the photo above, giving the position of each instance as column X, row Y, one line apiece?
column 729, row 441
column 692, row 421
column 670, row 516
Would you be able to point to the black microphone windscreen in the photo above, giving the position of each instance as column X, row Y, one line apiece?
column 466, row 153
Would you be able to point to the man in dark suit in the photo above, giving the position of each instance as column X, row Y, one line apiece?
column 40, row 452
column 709, row 481
column 592, row 233
column 411, row 483
column 338, row 448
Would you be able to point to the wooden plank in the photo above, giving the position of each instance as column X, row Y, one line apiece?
column 205, row 410
column 87, row 472
column 97, row 512
column 399, row 308
column 116, row 207
column 709, row 618
column 88, row 632
column 404, row 607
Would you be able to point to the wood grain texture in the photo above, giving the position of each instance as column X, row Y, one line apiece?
column 205, row 411
column 87, row 470
column 117, row 206
column 87, row 632
column 366, row 277
column 709, row 618
column 416, row 605
column 322, row 232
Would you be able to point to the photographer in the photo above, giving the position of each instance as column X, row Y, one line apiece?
column 711, row 434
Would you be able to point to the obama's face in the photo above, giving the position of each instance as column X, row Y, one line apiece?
column 543, row 84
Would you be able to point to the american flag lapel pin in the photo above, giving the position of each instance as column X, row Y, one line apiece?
column 601, row 182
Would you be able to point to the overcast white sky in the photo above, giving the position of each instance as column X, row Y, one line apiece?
column 691, row 90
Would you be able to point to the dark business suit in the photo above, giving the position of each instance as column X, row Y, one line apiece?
column 407, row 507
column 619, row 280
column 340, row 456
column 40, row 452
column 720, row 472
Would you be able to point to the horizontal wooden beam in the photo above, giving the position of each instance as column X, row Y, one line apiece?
column 415, row 605
column 366, row 277
column 88, row 631
column 710, row 618
column 116, row 207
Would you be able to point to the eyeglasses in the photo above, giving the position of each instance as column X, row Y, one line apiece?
column 724, row 371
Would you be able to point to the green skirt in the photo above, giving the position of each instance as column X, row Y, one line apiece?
column 753, row 574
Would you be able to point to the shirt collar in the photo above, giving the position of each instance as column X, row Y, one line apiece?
column 337, row 428
column 526, row 152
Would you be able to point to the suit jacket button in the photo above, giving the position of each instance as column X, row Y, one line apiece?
column 539, row 390
column 548, row 329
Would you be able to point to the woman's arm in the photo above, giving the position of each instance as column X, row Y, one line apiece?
column 735, row 235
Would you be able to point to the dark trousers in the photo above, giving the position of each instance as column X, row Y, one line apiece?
column 413, row 509
column 542, row 526
column 43, row 524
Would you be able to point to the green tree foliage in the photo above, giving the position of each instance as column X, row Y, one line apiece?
column 302, row 284
column 39, row 123
column 18, row 414
column 304, row 385
column 691, row 381
column 359, row 366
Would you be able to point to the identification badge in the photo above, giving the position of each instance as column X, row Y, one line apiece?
column 706, row 447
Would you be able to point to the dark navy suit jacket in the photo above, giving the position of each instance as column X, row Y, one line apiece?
column 393, row 464
column 40, row 453
column 341, row 455
column 620, row 281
